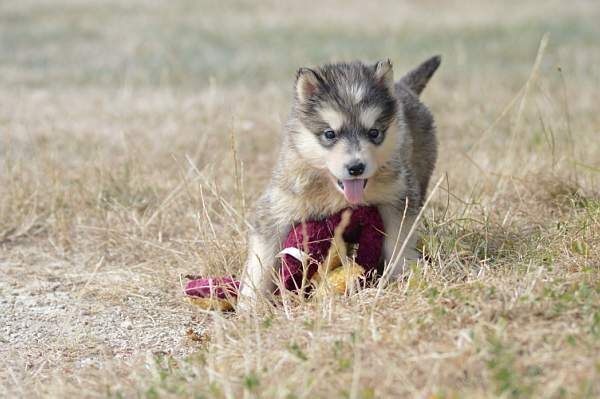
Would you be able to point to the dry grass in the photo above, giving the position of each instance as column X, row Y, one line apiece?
column 117, row 176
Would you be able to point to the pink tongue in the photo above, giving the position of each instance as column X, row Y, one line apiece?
column 354, row 190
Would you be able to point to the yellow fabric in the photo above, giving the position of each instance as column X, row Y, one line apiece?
column 212, row 303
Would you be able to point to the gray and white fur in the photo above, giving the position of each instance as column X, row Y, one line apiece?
column 354, row 136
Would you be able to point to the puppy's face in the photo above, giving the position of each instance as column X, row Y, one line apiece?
column 346, row 122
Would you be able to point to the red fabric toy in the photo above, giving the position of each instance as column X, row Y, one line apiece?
column 365, row 229
column 314, row 238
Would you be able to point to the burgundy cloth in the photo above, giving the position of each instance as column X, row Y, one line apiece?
column 213, row 287
column 365, row 229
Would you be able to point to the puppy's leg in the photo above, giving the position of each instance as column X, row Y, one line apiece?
column 258, row 271
column 397, row 228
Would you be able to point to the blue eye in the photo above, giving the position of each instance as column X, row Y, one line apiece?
column 329, row 134
column 374, row 134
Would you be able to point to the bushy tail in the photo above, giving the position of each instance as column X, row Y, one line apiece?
column 417, row 79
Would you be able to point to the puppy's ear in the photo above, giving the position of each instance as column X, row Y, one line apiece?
column 384, row 73
column 307, row 83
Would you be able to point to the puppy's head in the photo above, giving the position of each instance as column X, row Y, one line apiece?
column 345, row 122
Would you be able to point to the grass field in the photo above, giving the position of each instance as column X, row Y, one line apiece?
column 135, row 135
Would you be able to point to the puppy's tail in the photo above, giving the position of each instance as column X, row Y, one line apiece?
column 417, row 79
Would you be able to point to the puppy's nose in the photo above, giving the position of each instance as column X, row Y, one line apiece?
column 356, row 169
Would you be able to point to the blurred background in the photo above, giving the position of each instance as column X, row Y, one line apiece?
column 188, row 44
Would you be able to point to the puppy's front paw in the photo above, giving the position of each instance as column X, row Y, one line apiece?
column 246, row 299
column 404, row 264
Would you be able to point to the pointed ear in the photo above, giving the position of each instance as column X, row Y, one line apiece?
column 384, row 73
column 417, row 79
column 307, row 83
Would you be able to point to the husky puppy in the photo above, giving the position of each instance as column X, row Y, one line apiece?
column 354, row 136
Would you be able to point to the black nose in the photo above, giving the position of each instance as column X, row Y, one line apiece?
column 356, row 169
